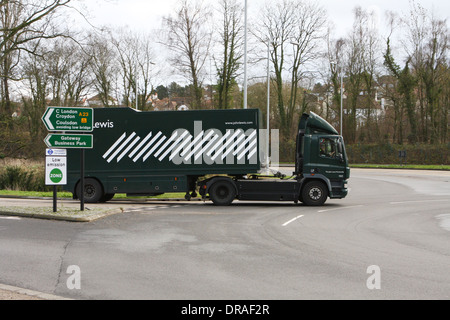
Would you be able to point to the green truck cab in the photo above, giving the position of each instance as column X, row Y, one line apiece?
column 214, row 153
column 321, row 160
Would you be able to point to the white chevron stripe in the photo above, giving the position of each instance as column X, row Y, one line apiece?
column 172, row 146
column 147, row 146
column 166, row 144
column 218, row 143
column 140, row 145
column 114, row 145
column 226, row 144
column 200, row 135
column 179, row 148
column 247, row 149
column 233, row 146
column 206, row 147
column 199, row 145
column 252, row 153
column 121, row 147
column 128, row 148
column 243, row 144
column 154, row 148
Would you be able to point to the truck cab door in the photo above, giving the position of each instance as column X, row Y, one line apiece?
column 331, row 161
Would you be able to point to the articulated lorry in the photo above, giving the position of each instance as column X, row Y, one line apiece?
column 214, row 153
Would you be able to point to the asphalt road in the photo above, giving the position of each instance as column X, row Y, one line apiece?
column 389, row 239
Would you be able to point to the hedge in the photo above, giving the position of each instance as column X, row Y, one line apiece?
column 390, row 154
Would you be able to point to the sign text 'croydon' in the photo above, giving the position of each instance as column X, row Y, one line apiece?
column 68, row 119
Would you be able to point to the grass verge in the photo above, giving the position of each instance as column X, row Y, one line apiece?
column 398, row 166
column 392, row 166
column 68, row 195
column 66, row 213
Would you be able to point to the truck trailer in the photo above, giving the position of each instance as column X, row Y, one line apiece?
column 215, row 154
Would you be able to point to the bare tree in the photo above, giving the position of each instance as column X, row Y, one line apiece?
column 231, row 40
column 189, row 40
column 371, row 58
column 308, row 34
column 23, row 22
column 147, row 70
column 355, row 73
column 123, row 43
column 135, row 56
column 104, row 67
column 427, row 44
column 69, row 71
column 336, row 63
column 406, row 82
column 37, row 81
column 422, row 82
column 295, row 29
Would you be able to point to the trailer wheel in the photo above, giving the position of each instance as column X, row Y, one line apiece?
column 222, row 193
column 107, row 196
column 314, row 193
column 93, row 191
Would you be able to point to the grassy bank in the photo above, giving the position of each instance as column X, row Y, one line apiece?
column 392, row 166
column 406, row 166
column 68, row 195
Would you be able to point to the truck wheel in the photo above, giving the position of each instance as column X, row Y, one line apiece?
column 93, row 191
column 222, row 193
column 314, row 193
column 107, row 196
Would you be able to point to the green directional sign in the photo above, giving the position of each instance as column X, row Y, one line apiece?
column 70, row 141
column 68, row 119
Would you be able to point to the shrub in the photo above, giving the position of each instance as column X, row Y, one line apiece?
column 22, row 178
column 389, row 154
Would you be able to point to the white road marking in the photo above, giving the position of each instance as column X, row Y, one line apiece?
column 145, row 210
column 444, row 221
column 292, row 220
column 340, row 208
column 10, row 218
column 416, row 201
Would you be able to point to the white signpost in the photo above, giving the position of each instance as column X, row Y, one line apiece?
column 55, row 170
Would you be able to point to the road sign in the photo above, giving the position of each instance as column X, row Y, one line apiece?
column 68, row 119
column 55, row 171
column 70, row 141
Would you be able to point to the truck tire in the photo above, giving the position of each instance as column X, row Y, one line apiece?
column 314, row 193
column 107, row 196
column 222, row 193
column 93, row 191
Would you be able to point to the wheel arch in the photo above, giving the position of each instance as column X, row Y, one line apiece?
column 74, row 192
column 207, row 184
column 316, row 177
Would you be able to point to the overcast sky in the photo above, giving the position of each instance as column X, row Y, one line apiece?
column 147, row 14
